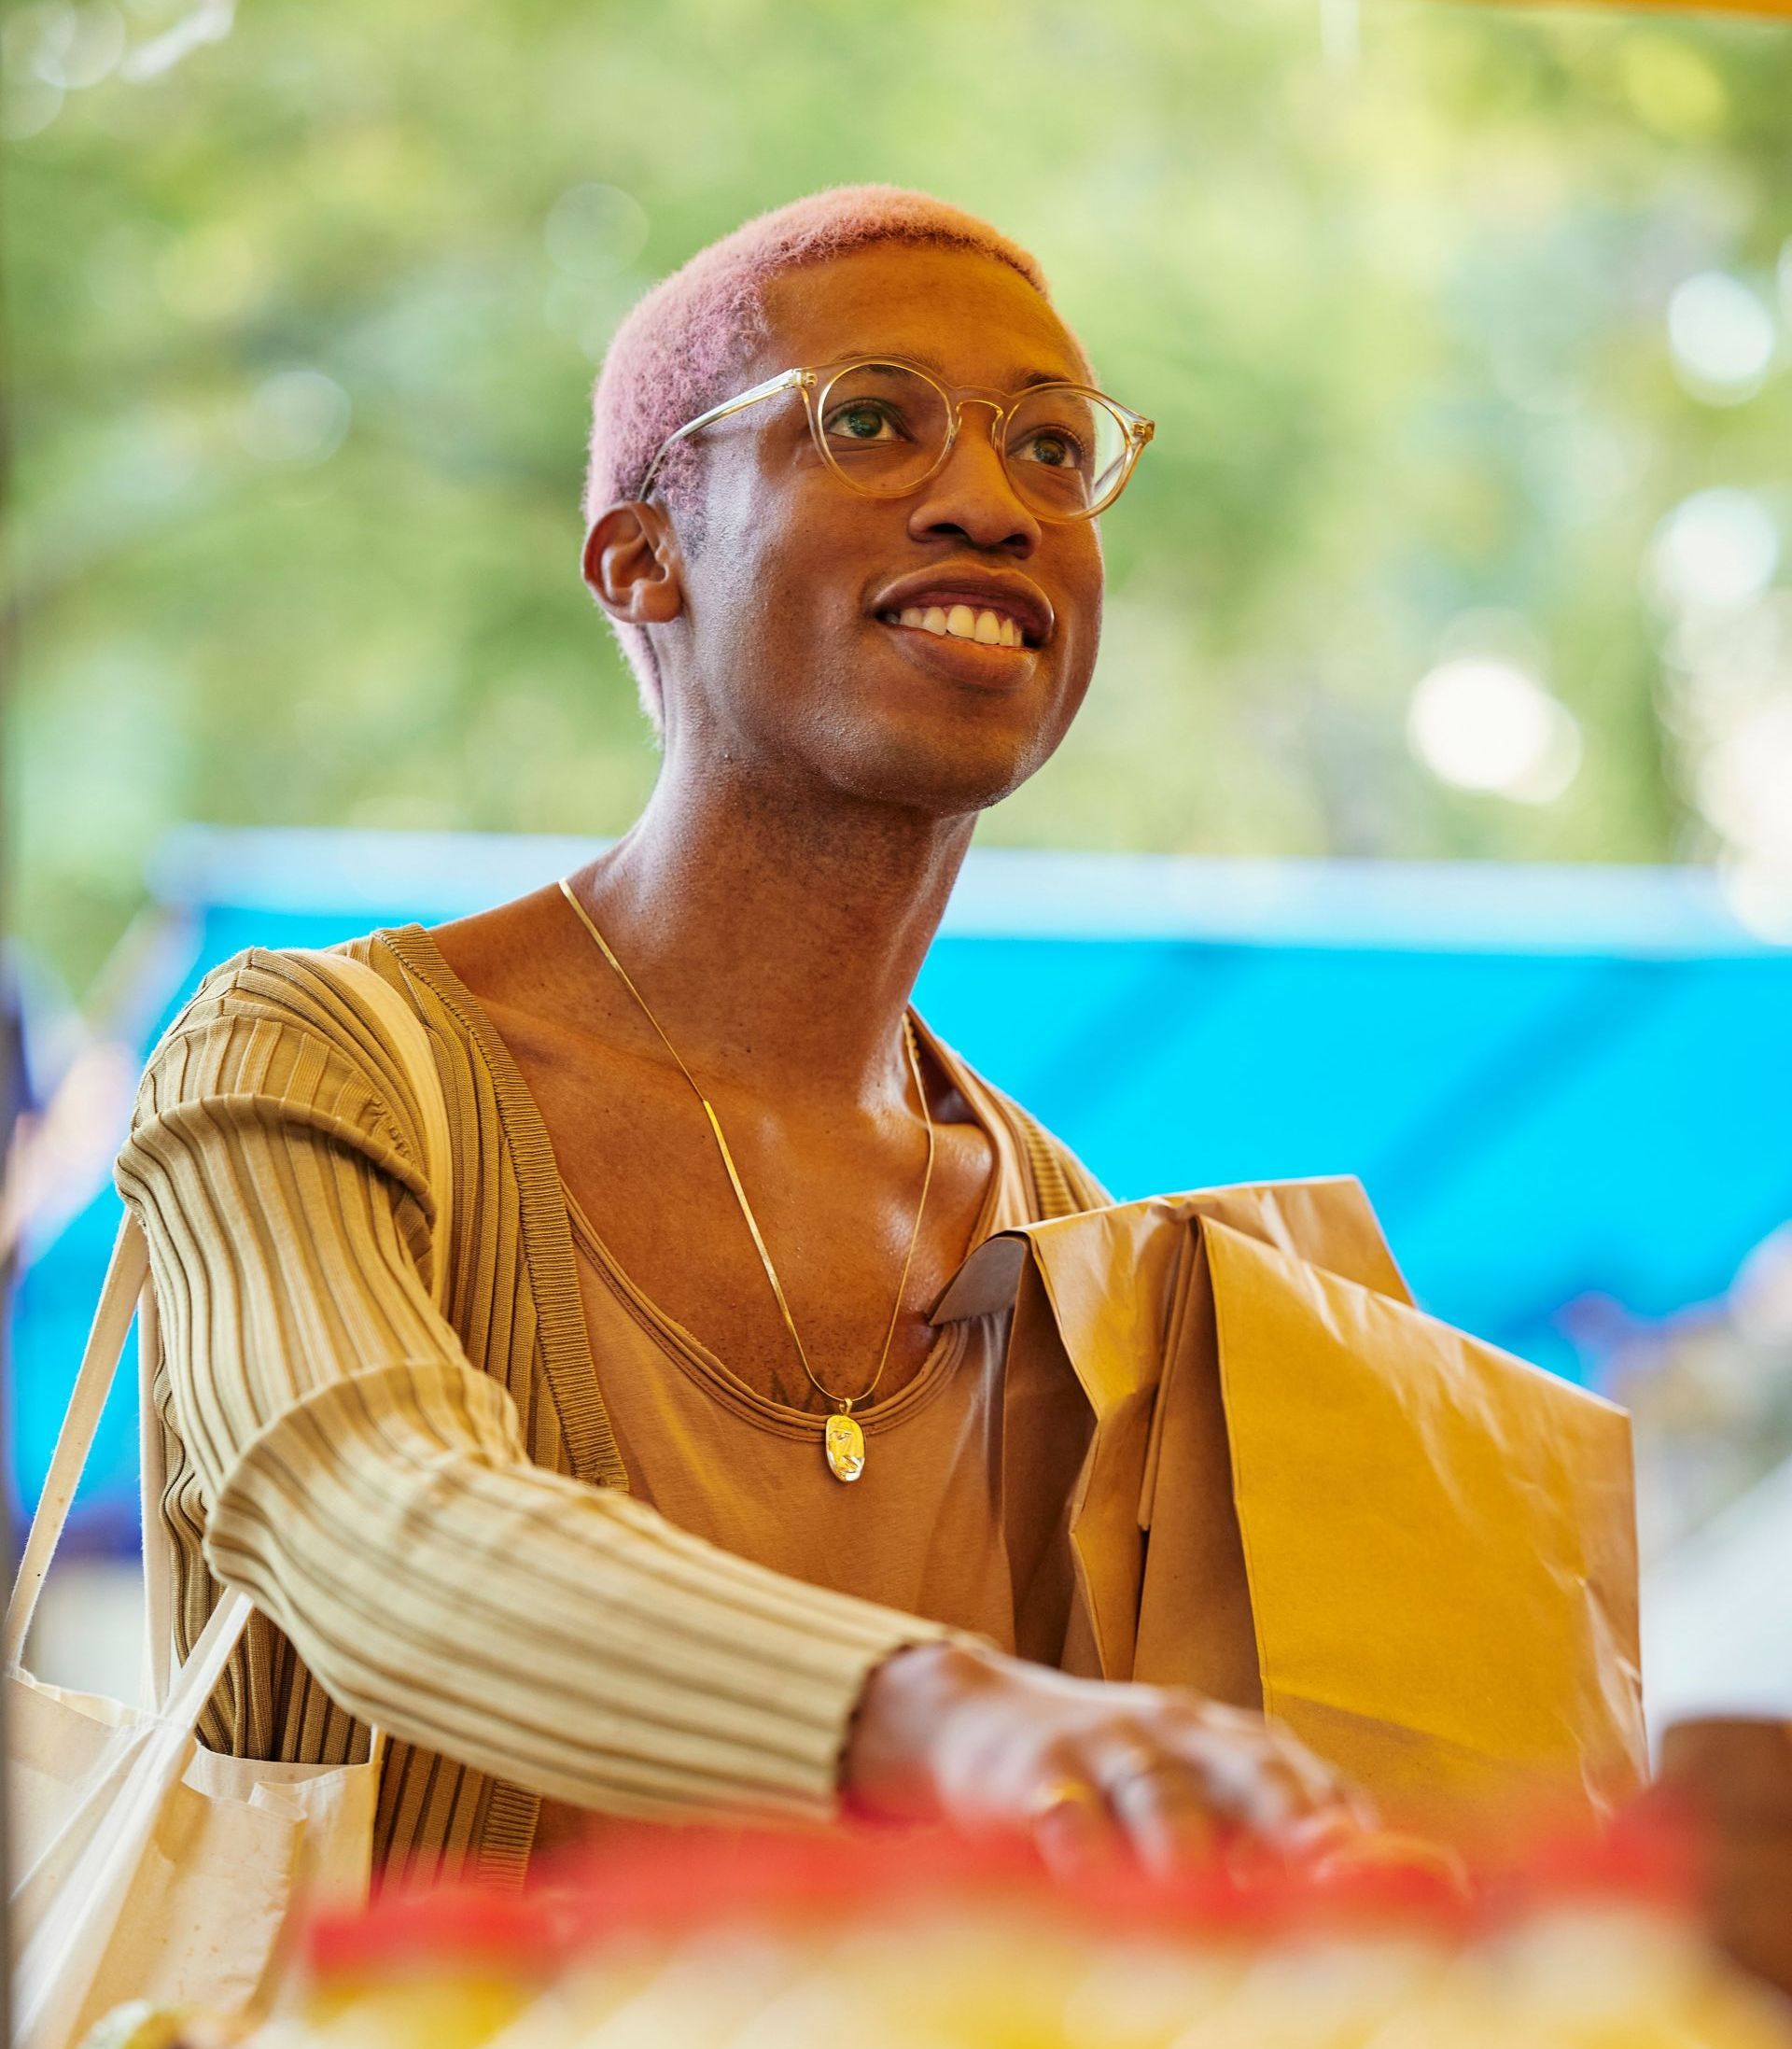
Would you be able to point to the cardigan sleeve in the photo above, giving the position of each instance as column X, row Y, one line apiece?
column 372, row 1491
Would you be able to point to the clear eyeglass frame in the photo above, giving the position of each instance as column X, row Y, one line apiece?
column 814, row 383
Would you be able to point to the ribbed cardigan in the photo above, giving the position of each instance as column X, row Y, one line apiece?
column 427, row 1507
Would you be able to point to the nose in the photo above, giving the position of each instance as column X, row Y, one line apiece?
column 970, row 497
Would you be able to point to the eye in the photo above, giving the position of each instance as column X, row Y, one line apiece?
column 861, row 420
column 1054, row 447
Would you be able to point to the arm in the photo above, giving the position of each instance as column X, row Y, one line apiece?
column 371, row 1489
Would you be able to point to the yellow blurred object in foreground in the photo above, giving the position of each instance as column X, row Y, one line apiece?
column 881, row 1944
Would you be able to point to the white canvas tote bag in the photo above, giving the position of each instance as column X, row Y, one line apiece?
column 144, row 1867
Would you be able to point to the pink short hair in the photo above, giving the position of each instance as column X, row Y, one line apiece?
column 675, row 353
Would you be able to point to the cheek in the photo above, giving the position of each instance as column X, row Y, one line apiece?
column 770, row 558
column 1079, row 578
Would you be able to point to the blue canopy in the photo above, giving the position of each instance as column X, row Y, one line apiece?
column 1568, row 1090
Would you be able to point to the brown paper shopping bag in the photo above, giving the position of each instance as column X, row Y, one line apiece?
column 1286, row 1486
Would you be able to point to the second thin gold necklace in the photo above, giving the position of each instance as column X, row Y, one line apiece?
column 843, row 1441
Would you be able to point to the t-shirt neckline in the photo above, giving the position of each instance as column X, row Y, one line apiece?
column 683, row 1345
column 689, row 1352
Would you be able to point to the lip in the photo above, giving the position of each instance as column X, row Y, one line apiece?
column 991, row 590
column 993, row 670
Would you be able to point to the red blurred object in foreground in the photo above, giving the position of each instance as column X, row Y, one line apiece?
column 806, row 1942
column 662, row 1885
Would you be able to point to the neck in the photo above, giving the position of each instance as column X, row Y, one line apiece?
column 777, row 936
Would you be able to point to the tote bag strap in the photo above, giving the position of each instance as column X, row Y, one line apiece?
column 375, row 999
column 126, row 1278
column 127, row 1283
column 152, row 1480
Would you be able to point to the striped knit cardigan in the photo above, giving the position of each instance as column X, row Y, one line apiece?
column 430, row 1513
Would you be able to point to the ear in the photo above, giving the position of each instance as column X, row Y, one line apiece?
column 631, row 564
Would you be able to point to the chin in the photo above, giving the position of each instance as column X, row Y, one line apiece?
column 887, row 734
column 942, row 782
column 932, row 757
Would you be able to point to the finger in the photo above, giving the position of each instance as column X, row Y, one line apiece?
column 1383, row 1850
column 1324, row 1836
column 1248, row 1782
column 1325, row 1787
column 1162, row 1803
column 1259, row 1775
column 1254, row 1787
column 1073, row 1829
column 1291, row 1799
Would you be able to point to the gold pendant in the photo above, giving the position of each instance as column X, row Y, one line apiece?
column 844, row 1443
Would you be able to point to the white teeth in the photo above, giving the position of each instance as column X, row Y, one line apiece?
column 989, row 630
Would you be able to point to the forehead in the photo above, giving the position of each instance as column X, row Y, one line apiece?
column 971, row 316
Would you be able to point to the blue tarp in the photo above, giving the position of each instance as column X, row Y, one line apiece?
column 1568, row 1090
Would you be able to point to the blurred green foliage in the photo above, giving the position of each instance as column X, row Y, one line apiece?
column 304, row 311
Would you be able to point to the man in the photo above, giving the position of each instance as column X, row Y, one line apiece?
column 863, row 606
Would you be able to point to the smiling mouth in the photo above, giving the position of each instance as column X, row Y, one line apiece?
column 986, row 625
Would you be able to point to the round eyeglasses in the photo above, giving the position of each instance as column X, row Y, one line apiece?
column 885, row 426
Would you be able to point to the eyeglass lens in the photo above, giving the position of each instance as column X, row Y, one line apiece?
column 884, row 427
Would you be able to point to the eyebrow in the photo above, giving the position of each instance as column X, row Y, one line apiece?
column 1024, row 382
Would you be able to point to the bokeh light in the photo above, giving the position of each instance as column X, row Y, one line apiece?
column 1483, row 724
column 1721, row 334
column 296, row 416
column 1716, row 550
column 594, row 230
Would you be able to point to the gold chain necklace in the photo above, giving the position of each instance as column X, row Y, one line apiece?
column 843, row 1441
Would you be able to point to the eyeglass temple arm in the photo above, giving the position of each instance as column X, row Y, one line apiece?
column 784, row 380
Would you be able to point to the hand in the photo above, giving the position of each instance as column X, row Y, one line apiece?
column 1094, row 1772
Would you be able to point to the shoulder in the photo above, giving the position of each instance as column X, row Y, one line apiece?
column 1061, row 1184
column 304, row 989
column 284, row 1026
column 282, row 985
